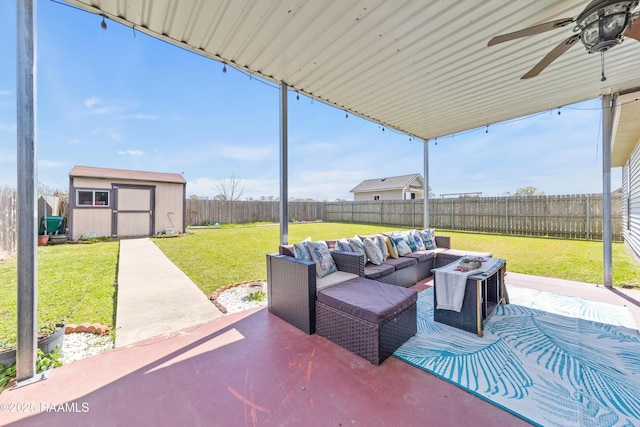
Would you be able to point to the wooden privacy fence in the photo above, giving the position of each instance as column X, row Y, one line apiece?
column 566, row 216
column 8, row 222
column 199, row 211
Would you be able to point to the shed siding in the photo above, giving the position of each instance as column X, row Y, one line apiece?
column 92, row 221
column 169, row 198
column 631, row 203
column 384, row 195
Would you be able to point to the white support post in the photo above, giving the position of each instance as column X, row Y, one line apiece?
column 27, row 180
column 284, row 183
column 607, row 124
column 425, row 187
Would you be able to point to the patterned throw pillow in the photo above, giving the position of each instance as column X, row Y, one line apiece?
column 357, row 246
column 322, row 257
column 373, row 251
column 417, row 239
column 408, row 238
column 343, row 245
column 301, row 251
column 428, row 236
column 383, row 246
column 401, row 245
column 391, row 246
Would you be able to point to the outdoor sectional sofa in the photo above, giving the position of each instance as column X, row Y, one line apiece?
column 376, row 318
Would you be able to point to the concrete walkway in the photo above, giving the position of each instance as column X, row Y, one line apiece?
column 154, row 296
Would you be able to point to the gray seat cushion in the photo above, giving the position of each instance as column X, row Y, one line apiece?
column 400, row 263
column 372, row 271
column 421, row 256
column 367, row 299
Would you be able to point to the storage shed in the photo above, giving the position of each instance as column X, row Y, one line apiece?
column 125, row 203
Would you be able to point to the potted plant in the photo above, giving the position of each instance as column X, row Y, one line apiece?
column 50, row 336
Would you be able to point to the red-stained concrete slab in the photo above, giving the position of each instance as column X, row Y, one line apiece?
column 250, row 369
column 254, row 369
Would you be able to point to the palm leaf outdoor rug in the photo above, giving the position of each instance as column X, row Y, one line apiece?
column 550, row 359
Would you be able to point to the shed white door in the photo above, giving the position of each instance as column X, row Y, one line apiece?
column 133, row 211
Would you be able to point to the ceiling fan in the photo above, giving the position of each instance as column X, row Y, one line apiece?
column 600, row 26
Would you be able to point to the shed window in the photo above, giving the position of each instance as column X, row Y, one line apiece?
column 92, row 198
column 376, row 197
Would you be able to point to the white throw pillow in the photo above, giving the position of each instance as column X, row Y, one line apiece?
column 373, row 251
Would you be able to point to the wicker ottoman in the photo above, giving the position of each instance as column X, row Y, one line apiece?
column 369, row 318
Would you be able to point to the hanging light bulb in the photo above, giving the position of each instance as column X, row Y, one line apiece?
column 297, row 96
column 103, row 24
column 224, row 68
column 346, row 115
column 487, row 129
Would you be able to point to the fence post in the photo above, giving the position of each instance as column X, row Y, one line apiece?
column 413, row 213
column 380, row 212
column 452, row 212
column 587, row 216
column 506, row 215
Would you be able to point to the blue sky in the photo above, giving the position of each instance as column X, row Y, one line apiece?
column 109, row 98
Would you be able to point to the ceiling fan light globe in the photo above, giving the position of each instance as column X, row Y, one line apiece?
column 603, row 24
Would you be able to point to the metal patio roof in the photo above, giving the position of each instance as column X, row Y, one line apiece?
column 420, row 67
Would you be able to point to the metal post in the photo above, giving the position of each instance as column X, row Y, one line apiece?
column 425, row 186
column 284, row 183
column 606, row 190
column 27, row 179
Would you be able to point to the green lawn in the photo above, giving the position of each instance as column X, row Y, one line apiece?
column 76, row 284
column 216, row 257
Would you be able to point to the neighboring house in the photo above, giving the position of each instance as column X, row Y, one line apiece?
column 124, row 203
column 625, row 152
column 390, row 188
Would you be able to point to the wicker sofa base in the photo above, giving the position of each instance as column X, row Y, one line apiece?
column 372, row 342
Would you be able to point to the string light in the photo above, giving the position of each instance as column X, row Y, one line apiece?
column 103, row 25
column 487, row 129
column 297, row 96
column 224, row 68
column 346, row 115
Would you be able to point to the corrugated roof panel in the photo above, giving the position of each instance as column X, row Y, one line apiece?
column 125, row 174
column 422, row 67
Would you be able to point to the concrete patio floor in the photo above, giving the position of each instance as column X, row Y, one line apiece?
column 252, row 368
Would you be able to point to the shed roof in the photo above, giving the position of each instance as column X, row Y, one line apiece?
column 419, row 66
column 388, row 183
column 124, row 174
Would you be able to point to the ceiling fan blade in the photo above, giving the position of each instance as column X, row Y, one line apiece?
column 634, row 30
column 551, row 56
column 536, row 29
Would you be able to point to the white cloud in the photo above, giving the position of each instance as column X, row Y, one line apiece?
column 6, row 92
column 131, row 152
column 242, row 153
column 143, row 116
column 93, row 101
column 48, row 164
column 116, row 136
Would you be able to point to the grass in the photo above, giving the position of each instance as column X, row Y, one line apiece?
column 214, row 258
column 76, row 284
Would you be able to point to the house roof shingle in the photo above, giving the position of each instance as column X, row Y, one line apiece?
column 91, row 172
column 385, row 184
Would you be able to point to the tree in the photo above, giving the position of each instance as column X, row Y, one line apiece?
column 229, row 189
column 528, row 191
